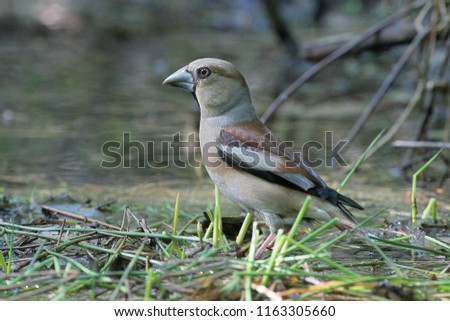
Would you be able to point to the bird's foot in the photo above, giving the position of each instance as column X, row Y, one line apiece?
column 268, row 243
column 272, row 243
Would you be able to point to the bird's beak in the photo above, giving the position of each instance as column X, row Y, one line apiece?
column 181, row 78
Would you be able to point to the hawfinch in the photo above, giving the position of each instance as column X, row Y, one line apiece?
column 246, row 161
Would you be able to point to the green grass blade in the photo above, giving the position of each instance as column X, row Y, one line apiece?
column 3, row 264
column 245, row 225
column 431, row 210
column 323, row 259
column 210, row 226
column 299, row 217
column 10, row 242
column 369, row 218
column 437, row 242
column 117, row 247
column 276, row 249
column 296, row 224
column 217, row 224
column 314, row 234
column 320, row 230
column 74, row 262
column 414, row 185
column 360, row 160
column 385, row 257
column 176, row 213
column 174, row 247
column 411, row 247
column 127, row 271
column 152, row 276
column 250, row 261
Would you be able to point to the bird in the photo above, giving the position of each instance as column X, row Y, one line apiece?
column 247, row 162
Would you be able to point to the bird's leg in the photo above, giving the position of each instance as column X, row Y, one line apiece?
column 268, row 242
column 272, row 243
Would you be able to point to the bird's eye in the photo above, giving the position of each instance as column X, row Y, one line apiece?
column 203, row 72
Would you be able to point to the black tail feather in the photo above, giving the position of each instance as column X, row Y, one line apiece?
column 348, row 201
column 347, row 213
column 337, row 199
column 334, row 197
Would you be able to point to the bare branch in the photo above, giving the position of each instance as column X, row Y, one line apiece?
column 336, row 55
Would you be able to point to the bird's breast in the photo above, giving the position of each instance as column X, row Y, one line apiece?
column 214, row 164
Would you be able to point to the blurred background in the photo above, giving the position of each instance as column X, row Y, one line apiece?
column 78, row 73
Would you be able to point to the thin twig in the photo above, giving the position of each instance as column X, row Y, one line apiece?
column 420, row 144
column 385, row 86
column 334, row 56
column 426, row 72
column 400, row 120
column 78, row 217
column 417, row 159
column 63, row 225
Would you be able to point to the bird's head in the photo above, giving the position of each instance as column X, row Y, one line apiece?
column 217, row 85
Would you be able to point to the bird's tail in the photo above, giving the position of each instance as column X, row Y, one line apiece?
column 340, row 201
column 348, row 201
column 344, row 200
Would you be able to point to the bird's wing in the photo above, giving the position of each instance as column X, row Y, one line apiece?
column 251, row 147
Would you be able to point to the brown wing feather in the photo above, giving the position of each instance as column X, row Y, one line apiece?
column 256, row 135
column 292, row 172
